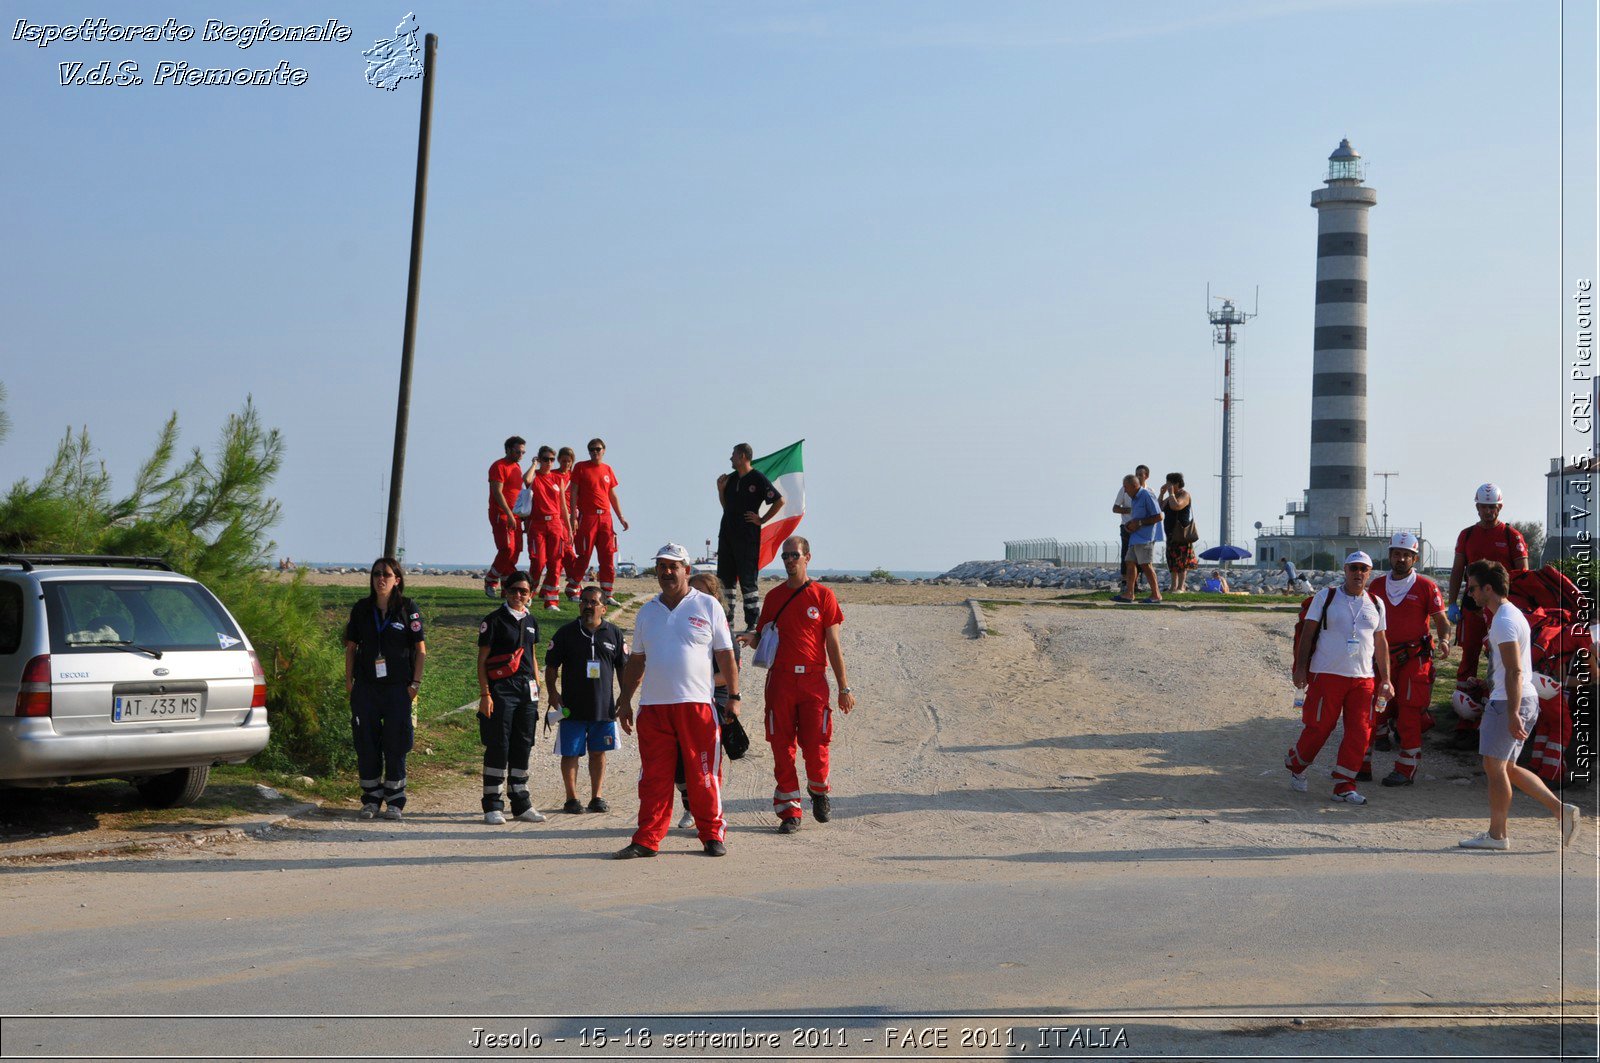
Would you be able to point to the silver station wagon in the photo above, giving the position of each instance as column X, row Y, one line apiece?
column 118, row 667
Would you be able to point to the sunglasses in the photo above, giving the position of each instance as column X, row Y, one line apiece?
column 790, row 555
column 596, row 450
column 545, row 457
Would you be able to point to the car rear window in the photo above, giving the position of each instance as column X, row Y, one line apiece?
column 10, row 617
column 90, row 615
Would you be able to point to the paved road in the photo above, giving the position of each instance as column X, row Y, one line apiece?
column 1024, row 906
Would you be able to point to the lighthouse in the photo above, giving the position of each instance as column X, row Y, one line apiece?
column 1336, row 501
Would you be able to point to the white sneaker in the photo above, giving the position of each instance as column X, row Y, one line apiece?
column 1350, row 797
column 1569, row 823
column 552, row 608
column 369, row 812
column 493, row 818
column 611, row 602
column 1298, row 783
column 1483, row 841
column 686, row 821
column 531, row 815
column 393, row 813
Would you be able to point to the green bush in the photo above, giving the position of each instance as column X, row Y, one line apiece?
column 880, row 573
column 209, row 519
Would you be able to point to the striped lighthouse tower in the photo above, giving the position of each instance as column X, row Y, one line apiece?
column 1336, row 503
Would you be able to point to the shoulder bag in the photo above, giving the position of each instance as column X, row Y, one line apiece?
column 767, row 647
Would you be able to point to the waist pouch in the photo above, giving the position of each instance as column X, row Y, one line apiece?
column 504, row 665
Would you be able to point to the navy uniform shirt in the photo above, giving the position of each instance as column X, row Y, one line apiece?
column 390, row 636
column 503, row 633
column 745, row 494
column 569, row 654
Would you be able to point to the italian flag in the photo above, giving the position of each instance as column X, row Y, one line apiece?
column 787, row 473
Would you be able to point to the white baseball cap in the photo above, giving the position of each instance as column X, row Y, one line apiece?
column 1488, row 495
column 1358, row 557
column 1403, row 541
column 672, row 552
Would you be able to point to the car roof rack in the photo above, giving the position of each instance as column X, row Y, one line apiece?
column 30, row 561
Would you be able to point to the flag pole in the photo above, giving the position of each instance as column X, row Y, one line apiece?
column 402, row 415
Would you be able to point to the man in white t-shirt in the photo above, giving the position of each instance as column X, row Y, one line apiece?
column 1510, row 713
column 674, row 637
column 1341, row 643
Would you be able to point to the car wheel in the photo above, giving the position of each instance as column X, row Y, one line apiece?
column 175, row 789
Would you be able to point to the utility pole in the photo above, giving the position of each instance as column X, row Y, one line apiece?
column 402, row 415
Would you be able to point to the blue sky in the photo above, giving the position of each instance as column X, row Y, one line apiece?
column 960, row 248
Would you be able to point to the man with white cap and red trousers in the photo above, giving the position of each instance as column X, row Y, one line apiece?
column 674, row 637
column 1487, row 540
column 1411, row 602
column 1340, row 646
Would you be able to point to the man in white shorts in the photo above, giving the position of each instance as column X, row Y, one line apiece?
column 674, row 638
column 1510, row 713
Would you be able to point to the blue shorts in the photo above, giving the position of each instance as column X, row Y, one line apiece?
column 1494, row 736
column 577, row 737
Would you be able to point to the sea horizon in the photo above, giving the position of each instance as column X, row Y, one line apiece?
column 774, row 572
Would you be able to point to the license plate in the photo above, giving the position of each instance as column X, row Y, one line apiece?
column 143, row 708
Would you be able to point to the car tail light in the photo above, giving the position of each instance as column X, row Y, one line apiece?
column 258, row 696
column 33, row 696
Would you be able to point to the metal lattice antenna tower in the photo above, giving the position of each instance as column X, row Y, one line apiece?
column 1226, row 324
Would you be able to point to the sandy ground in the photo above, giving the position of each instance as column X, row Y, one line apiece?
column 1121, row 762
column 849, row 593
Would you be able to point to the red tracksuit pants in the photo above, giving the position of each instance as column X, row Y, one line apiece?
column 687, row 733
column 507, row 543
column 1469, row 636
column 547, row 550
column 1413, row 693
column 1329, row 698
column 595, row 536
column 798, row 713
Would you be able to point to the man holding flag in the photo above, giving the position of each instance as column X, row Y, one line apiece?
column 742, row 494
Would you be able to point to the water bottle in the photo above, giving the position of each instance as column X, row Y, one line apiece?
column 1299, row 699
column 1378, row 705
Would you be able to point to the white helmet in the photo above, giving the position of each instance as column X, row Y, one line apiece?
column 1466, row 707
column 1403, row 541
column 1546, row 687
column 1488, row 495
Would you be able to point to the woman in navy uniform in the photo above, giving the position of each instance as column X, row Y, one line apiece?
column 508, row 700
column 384, row 653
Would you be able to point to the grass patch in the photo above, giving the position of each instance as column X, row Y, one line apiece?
column 990, row 631
column 446, row 746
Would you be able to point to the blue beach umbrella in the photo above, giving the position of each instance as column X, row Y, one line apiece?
column 1225, row 553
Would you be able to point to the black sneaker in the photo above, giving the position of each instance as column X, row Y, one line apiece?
column 716, row 848
column 632, row 851
column 1382, row 743
column 1397, row 778
column 820, row 807
column 573, row 807
column 789, row 825
column 598, row 804
column 1364, row 775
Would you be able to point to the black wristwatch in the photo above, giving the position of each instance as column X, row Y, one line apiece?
column 735, row 697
